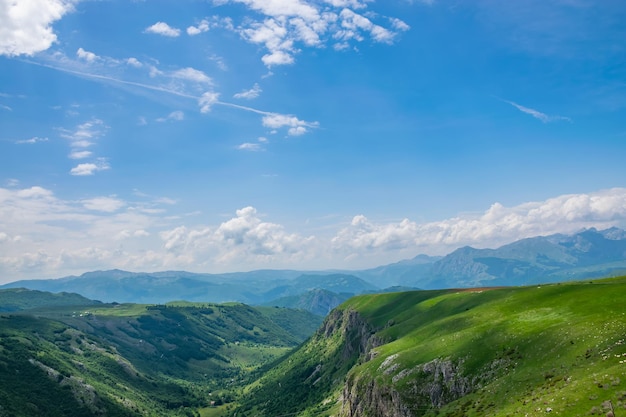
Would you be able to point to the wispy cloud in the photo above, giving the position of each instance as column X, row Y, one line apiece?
column 250, row 94
column 250, row 146
column 254, row 146
column 83, row 136
column 545, row 118
column 206, row 101
column 104, row 204
column 31, row 141
column 176, row 116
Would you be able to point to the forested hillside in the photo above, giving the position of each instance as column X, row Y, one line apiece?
column 129, row 359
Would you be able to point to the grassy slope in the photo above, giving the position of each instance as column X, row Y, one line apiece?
column 557, row 348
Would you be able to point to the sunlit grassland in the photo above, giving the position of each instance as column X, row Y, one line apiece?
column 520, row 351
column 557, row 347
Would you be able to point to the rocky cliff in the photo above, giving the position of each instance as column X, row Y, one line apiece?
column 426, row 386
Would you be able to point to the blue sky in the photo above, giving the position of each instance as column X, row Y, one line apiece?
column 231, row 135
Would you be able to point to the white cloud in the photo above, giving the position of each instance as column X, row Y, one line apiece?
column 250, row 94
column 81, row 137
column 86, row 55
column 175, row 116
column 353, row 24
column 41, row 234
column 84, row 133
column 48, row 236
column 219, row 61
column 26, row 26
column 162, row 28
column 285, row 25
column 247, row 236
column 134, row 62
column 249, row 146
column 537, row 114
column 296, row 131
column 32, row 140
column 106, row 204
column 207, row 100
column 281, row 8
column 80, row 154
column 202, row 27
column 244, row 238
column 277, row 58
column 191, row 74
column 296, row 126
column 496, row 226
column 355, row 4
column 399, row 24
column 90, row 168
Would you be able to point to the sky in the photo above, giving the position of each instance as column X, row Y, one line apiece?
column 233, row 135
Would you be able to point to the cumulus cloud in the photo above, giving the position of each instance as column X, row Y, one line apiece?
column 90, row 168
column 86, row 55
column 244, row 238
column 496, row 226
column 163, row 29
column 296, row 126
column 26, row 26
column 285, row 25
column 134, row 62
column 202, row 27
column 42, row 233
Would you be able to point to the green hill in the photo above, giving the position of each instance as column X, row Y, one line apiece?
column 558, row 349
column 316, row 301
column 16, row 299
column 132, row 360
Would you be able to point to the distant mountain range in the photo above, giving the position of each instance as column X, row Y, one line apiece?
column 590, row 253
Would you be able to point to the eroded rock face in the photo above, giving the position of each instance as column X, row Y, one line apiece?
column 372, row 400
column 429, row 385
column 441, row 381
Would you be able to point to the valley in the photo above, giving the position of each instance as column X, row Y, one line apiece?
column 534, row 327
column 554, row 348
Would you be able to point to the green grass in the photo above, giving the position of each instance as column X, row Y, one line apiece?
column 518, row 350
column 131, row 359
